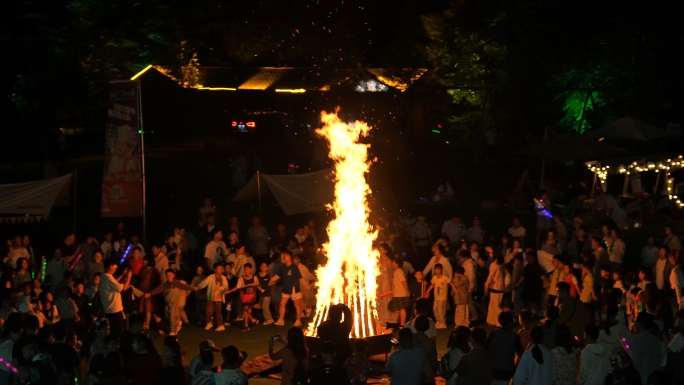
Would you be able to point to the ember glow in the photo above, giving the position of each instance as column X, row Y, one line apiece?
column 349, row 276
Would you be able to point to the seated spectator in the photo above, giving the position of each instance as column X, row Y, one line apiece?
column 405, row 365
column 135, row 326
column 358, row 365
column 645, row 349
column 328, row 373
column 422, row 307
column 335, row 330
column 196, row 364
column 174, row 372
column 113, row 373
column 421, row 341
column 295, row 355
column 476, row 366
column 611, row 331
column 594, row 362
column 230, row 373
column 145, row 365
column 203, row 377
column 505, row 345
column 564, row 354
column 64, row 356
column 102, row 362
column 458, row 345
column 11, row 332
column 537, row 365
column 38, row 369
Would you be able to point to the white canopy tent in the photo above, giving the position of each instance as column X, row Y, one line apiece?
column 299, row 193
column 34, row 198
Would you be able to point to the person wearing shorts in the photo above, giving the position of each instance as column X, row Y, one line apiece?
column 400, row 293
column 290, row 276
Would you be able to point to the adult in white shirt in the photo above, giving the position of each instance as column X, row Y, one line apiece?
column 617, row 253
column 17, row 251
column 239, row 259
column 676, row 277
column 216, row 250
column 661, row 271
column 671, row 239
column 439, row 257
column 106, row 245
column 537, row 365
column 161, row 262
column 469, row 266
column 517, row 230
column 454, row 229
column 110, row 294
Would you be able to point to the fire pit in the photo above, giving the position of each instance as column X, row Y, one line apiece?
column 378, row 344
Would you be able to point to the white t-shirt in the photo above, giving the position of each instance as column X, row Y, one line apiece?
column 519, row 232
column 455, row 231
column 15, row 254
column 397, row 287
column 216, row 252
column 441, row 286
column 110, row 294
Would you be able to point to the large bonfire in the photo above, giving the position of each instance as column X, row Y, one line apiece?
column 349, row 276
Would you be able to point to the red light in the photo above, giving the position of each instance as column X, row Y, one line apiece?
column 234, row 124
column 251, row 124
column 439, row 126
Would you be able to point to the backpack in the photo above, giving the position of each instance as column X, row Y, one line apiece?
column 299, row 375
column 444, row 368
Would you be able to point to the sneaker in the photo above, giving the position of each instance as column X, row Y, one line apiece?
column 245, row 328
column 173, row 334
column 220, row 328
column 268, row 322
column 226, row 324
column 209, row 326
column 279, row 323
column 297, row 323
column 239, row 319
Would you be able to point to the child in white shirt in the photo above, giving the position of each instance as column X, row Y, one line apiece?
column 440, row 284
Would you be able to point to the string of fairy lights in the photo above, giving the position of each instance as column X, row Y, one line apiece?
column 667, row 166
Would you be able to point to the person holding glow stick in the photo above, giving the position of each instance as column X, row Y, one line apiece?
column 542, row 207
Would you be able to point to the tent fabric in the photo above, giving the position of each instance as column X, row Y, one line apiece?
column 570, row 147
column 33, row 198
column 299, row 193
column 630, row 129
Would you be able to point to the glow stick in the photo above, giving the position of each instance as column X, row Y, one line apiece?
column 544, row 211
column 73, row 264
column 9, row 365
column 125, row 254
column 43, row 270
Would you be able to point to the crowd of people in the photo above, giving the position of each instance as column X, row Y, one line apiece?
column 85, row 313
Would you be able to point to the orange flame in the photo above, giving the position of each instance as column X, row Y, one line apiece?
column 349, row 276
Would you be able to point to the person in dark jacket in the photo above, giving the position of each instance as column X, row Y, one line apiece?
column 476, row 367
column 335, row 330
column 504, row 344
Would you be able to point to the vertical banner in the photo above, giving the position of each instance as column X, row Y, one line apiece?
column 121, row 182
